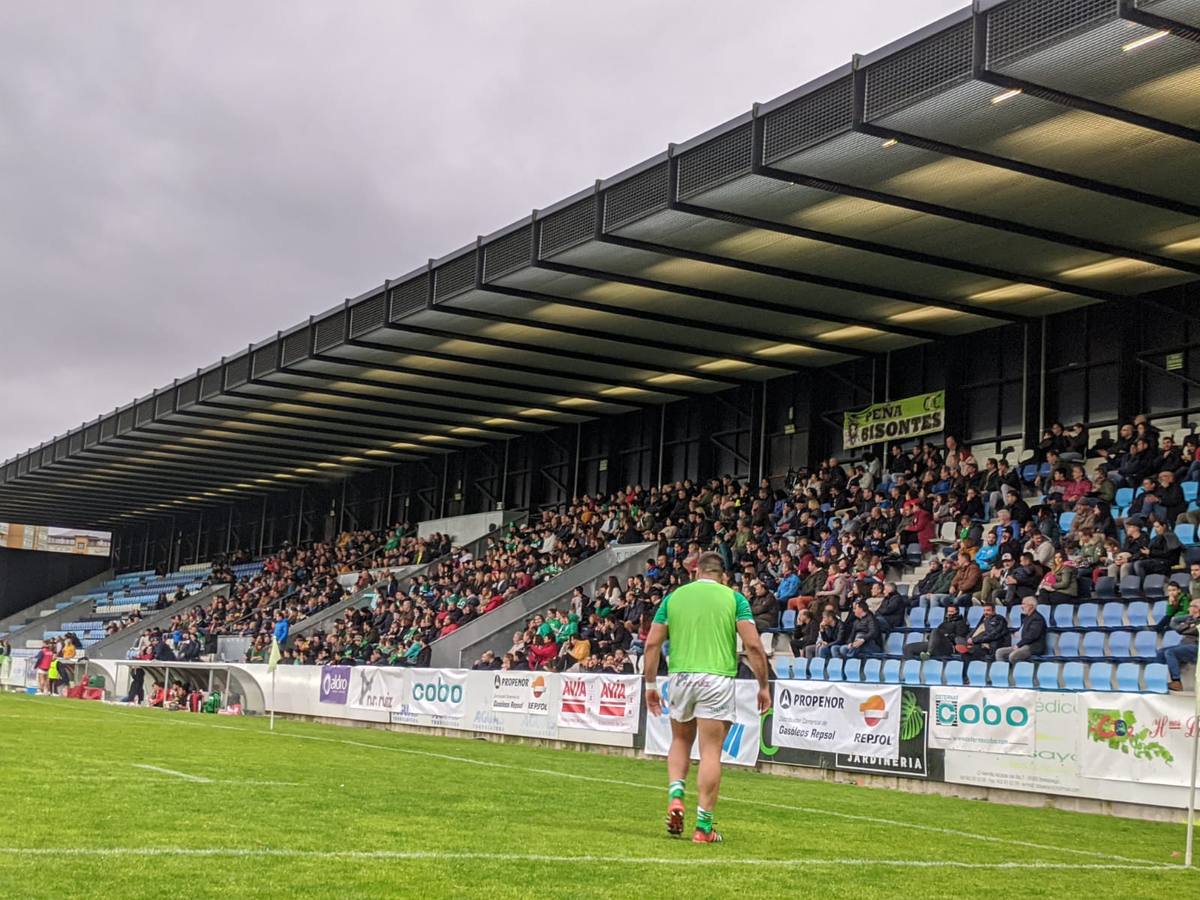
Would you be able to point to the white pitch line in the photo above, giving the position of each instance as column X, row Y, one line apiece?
column 200, row 779
column 814, row 811
column 186, row 777
column 441, row 855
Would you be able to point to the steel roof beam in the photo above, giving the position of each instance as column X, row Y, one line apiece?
column 1134, row 13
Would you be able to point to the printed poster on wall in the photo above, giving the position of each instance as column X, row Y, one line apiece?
column 741, row 744
column 1138, row 738
column 984, row 721
column 600, row 702
column 838, row 718
column 521, row 692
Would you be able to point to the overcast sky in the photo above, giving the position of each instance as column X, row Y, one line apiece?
column 179, row 181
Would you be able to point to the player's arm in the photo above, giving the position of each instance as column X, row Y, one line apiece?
column 755, row 656
column 655, row 639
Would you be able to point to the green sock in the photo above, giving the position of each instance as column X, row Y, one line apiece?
column 703, row 819
column 675, row 790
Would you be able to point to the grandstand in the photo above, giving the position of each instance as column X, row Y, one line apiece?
column 994, row 221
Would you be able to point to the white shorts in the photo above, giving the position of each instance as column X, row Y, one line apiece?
column 692, row 695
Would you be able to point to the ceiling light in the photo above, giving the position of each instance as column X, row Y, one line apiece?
column 850, row 333
column 782, row 349
column 1192, row 245
column 723, row 365
column 578, row 401
column 1016, row 291
column 1143, row 41
column 1007, row 95
column 1105, row 268
column 890, row 142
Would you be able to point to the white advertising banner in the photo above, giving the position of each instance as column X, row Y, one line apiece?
column 600, row 702
column 520, row 692
column 1138, row 738
column 16, row 669
column 985, row 721
column 838, row 718
column 741, row 744
column 435, row 692
column 376, row 689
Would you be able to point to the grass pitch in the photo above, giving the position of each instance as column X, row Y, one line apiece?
column 103, row 801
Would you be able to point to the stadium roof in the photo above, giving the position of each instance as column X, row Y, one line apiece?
column 1004, row 163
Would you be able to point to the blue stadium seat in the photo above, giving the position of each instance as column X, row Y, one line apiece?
column 916, row 618
column 800, row 668
column 789, row 619
column 891, row 671
column 1158, row 610
column 872, row 671
column 910, row 672
column 894, row 645
column 1131, row 587
column 1191, row 555
column 1190, row 490
column 1129, row 677
column 1119, row 644
column 1154, row 586
column 1068, row 645
column 902, row 589
column 1072, row 676
column 1065, row 520
column 1124, row 497
column 1022, row 675
column 952, row 672
column 1014, row 617
column 1156, row 675
column 1047, row 676
column 1183, row 579
column 1044, row 609
column 974, row 615
column 914, row 637
column 816, row 669
column 1086, row 615
column 1100, row 676
column 998, row 674
column 931, row 672
column 1145, row 644
column 936, row 616
column 1063, row 616
column 1113, row 615
column 783, row 668
column 1170, row 639
column 833, row 669
column 1093, row 644
column 1029, row 473
column 1105, row 588
column 1138, row 613
column 977, row 673
column 912, row 554
column 1186, row 532
column 852, row 671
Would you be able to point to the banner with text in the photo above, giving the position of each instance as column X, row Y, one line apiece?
column 600, row 702
column 895, row 420
column 520, row 692
column 969, row 718
column 741, row 744
column 1138, row 737
column 837, row 718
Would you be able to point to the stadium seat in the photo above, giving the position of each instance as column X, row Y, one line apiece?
column 936, row 616
column 916, row 618
column 1156, row 676
column 1191, row 489
column 974, row 616
column 1100, row 676
column 977, row 673
column 1014, row 617
column 1129, row 677
column 816, row 669
column 1105, row 588
column 931, row 672
column 1154, row 586
column 1093, row 644
column 998, row 674
column 952, row 672
column 1065, row 520
column 1047, row 676
column 1170, row 639
column 1124, row 497
column 1022, row 675
column 1068, row 645
column 1183, row 579
column 800, row 668
column 894, row 645
column 783, row 668
column 1113, row 615
column 1157, row 611
column 1145, row 644
column 912, row 554
column 1044, row 609
column 1119, row 644
column 1086, row 615
column 1186, row 532
column 1063, row 616
column 833, row 669
column 872, row 671
column 789, row 620
column 891, row 671
column 1191, row 555
column 852, row 670
column 1131, row 587
column 1073, row 676
column 1138, row 614
column 910, row 672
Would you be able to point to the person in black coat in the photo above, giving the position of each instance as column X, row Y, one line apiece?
column 1031, row 640
column 890, row 612
column 990, row 635
column 805, row 634
column 864, row 634
column 950, row 633
column 1023, row 581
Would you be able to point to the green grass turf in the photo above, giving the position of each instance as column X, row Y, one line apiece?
column 379, row 814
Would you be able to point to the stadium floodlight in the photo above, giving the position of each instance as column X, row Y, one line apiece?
column 890, row 142
column 1143, row 41
column 1007, row 95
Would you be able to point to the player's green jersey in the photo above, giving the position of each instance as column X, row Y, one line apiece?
column 701, row 620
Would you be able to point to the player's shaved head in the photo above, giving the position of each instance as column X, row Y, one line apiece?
column 710, row 564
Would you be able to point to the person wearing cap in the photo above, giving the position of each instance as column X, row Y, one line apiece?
column 993, row 583
column 1022, row 582
column 989, row 635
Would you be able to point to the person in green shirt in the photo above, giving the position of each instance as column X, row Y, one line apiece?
column 703, row 621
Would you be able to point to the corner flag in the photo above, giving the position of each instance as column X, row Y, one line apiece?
column 273, row 659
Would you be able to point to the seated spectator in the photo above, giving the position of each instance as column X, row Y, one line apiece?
column 1186, row 626
column 1031, row 638
column 864, row 638
column 1022, row 582
column 1178, row 602
column 945, row 639
column 1161, row 554
column 1060, row 584
column 989, row 636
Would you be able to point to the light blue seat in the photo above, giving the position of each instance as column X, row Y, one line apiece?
column 1044, row 609
column 1047, row 676
column 783, row 668
column 872, row 671
column 833, row 669
column 998, row 674
column 952, row 672
column 1014, row 617
column 974, row 616
column 1065, row 520
column 891, row 671
column 1158, row 610
column 931, row 672
column 789, row 619
column 977, row 673
column 1113, row 615
column 1051, row 645
column 1129, row 677
column 1145, row 644
column 1087, row 614
column 852, row 670
column 1170, row 639
column 1093, row 644
column 1063, row 616
column 1100, row 676
column 1124, row 497
column 800, row 668
column 1138, row 613
column 1118, row 644
column 816, row 669
column 1073, row 676
column 1186, row 532
column 1068, row 644
column 910, row 673
column 936, row 616
column 1190, row 491
column 916, row 617
column 1156, row 675
column 1022, row 675
column 894, row 645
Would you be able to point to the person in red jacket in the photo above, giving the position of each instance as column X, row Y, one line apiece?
column 42, row 662
column 542, row 652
